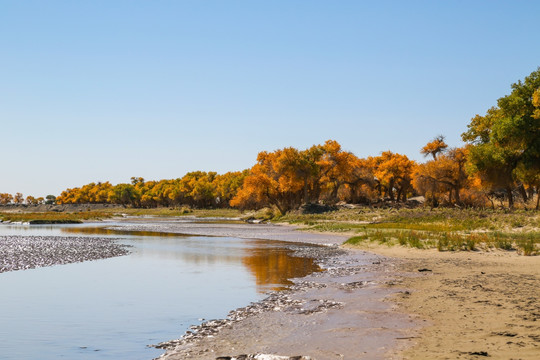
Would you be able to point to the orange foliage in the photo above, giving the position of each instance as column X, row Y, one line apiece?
column 5, row 198
column 393, row 173
column 286, row 178
column 445, row 174
column 434, row 147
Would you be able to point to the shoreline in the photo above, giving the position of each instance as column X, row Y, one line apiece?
column 371, row 301
column 340, row 313
column 474, row 304
column 447, row 305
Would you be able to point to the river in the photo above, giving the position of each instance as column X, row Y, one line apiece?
column 113, row 308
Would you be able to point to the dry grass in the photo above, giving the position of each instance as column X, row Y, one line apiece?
column 445, row 229
column 51, row 217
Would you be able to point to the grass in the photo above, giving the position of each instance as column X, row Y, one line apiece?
column 53, row 217
column 525, row 243
column 444, row 219
column 183, row 211
column 57, row 217
column 63, row 217
column 446, row 229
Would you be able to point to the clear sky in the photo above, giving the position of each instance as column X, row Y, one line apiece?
column 107, row 90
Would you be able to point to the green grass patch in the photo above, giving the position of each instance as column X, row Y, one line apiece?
column 446, row 229
column 526, row 243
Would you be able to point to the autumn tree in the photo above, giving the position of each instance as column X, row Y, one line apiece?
column 227, row 186
column 124, row 194
column 18, row 198
column 6, row 198
column 394, row 174
column 272, row 181
column 30, row 200
column 337, row 168
column 444, row 174
column 288, row 177
column 434, row 147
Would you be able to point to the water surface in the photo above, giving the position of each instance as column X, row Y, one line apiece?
column 113, row 308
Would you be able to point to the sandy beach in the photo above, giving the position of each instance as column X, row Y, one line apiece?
column 378, row 303
column 471, row 304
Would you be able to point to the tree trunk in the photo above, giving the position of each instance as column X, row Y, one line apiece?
column 391, row 191
column 510, row 197
column 456, row 192
column 523, row 193
column 306, row 196
column 398, row 195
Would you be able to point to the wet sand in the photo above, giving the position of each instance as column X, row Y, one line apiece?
column 336, row 314
column 400, row 304
column 219, row 227
column 340, row 313
column 473, row 304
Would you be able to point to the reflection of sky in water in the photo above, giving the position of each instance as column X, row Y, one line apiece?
column 113, row 308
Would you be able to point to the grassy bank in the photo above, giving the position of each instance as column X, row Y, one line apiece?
column 52, row 217
column 423, row 228
column 66, row 214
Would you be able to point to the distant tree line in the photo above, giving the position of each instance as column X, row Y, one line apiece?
column 501, row 160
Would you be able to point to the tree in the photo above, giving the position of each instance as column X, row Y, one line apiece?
column 394, row 174
column 30, row 200
column 272, row 181
column 507, row 138
column 6, row 198
column 443, row 174
column 227, row 186
column 288, row 177
column 338, row 168
column 434, row 147
column 124, row 194
column 50, row 199
column 18, row 198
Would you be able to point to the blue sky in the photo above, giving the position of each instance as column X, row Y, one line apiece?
column 106, row 90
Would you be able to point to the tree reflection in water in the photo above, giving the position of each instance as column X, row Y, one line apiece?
column 273, row 267
column 272, row 263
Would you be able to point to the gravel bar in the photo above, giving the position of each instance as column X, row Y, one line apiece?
column 28, row 252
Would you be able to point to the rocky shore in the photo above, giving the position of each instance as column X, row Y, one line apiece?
column 27, row 252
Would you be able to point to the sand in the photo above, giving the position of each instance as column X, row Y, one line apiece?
column 472, row 304
column 467, row 305
column 337, row 314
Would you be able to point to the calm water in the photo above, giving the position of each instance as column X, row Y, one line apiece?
column 113, row 308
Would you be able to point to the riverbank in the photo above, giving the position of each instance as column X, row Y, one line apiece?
column 340, row 313
column 401, row 303
column 473, row 304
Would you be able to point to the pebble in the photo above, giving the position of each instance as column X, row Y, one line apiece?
column 28, row 252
